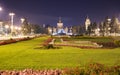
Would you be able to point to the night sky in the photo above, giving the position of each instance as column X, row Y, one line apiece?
column 72, row 12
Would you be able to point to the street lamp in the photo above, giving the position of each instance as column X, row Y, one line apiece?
column 22, row 26
column 12, row 15
column 1, row 29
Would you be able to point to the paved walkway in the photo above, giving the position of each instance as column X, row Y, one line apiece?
column 13, row 37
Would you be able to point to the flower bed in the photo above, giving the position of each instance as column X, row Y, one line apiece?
column 79, row 44
column 93, row 69
column 8, row 41
column 108, row 44
column 48, row 43
column 32, row 72
column 86, row 42
column 83, row 47
column 89, row 69
column 4, row 42
column 96, row 42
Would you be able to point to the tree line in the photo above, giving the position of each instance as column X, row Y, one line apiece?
column 106, row 28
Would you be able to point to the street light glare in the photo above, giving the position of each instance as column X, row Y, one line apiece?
column 22, row 20
column 7, row 26
column 11, row 14
column 0, row 8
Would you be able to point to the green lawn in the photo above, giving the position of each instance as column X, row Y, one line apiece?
column 23, row 55
column 96, row 39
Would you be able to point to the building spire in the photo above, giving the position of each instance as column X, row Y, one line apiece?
column 87, row 22
column 60, row 21
column 87, row 17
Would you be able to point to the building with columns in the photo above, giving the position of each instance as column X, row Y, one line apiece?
column 60, row 29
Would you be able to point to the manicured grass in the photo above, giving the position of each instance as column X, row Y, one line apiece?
column 95, row 39
column 23, row 55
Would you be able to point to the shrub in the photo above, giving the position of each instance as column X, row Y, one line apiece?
column 4, row 42
column 7, row 42
column 93, row 69
column 49, row 46
column 117, row 43
column 48, row 43
column 107, row 44
column 73, row 71
column 89, row 69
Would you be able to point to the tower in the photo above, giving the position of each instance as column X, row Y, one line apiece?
column 60, row 24
column 87, row 23
column 60, row 29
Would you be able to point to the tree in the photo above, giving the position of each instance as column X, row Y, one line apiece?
column 102, row 29
column 106, row 26
column 114, row 25
column 90, row 29
column 78, row 29
column 74, row 29
column 26, row 28
column 94, row 25
column 38, row 29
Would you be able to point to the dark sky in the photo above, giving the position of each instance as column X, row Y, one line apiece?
column 73, row 12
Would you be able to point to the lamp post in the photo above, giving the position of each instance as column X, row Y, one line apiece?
column 12, row 28
column 22, row 29
column 1, row 29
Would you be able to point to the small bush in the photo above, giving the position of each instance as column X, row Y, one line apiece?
column 3, row 43
column 73, row 71
column 117, row 43
column 108, row 44
column 11, row 40
column 93, row 69
column 49, row 46
column 47, row 43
